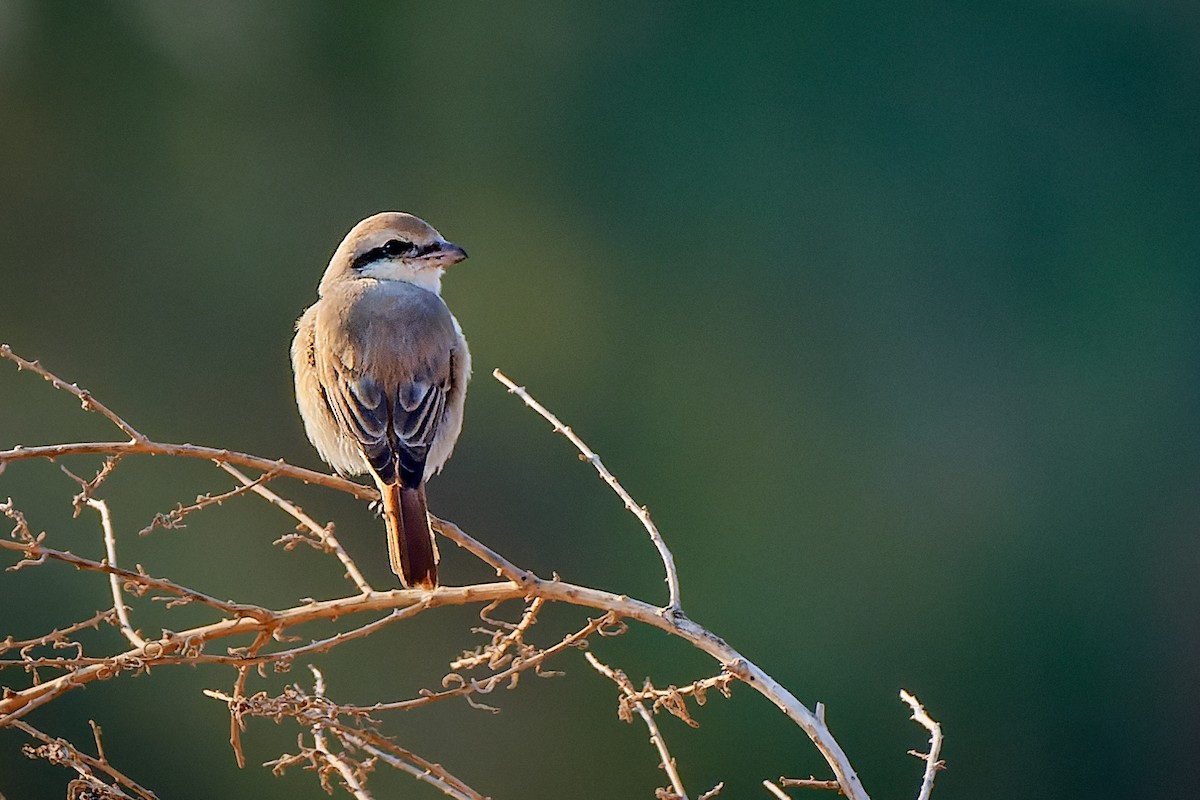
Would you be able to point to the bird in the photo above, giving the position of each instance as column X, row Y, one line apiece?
column 381, row 370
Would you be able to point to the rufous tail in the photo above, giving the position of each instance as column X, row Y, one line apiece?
column 410, row 540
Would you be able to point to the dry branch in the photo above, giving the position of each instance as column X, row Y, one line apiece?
column 932, row 759
column 114, row 582
column 587, row 454
column 630, row 702
column 345, row 745
column 810, row 783
column 62, row 752
column 324, row 533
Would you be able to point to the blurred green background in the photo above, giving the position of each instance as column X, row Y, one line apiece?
column 888, row 312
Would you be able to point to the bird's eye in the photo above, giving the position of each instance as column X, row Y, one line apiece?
column 396, row 247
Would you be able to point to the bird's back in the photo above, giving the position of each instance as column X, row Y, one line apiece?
column 393, row 330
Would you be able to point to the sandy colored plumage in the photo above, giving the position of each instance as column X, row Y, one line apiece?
column 381, row 370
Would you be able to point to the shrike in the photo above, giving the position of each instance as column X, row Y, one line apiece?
column 381, row 371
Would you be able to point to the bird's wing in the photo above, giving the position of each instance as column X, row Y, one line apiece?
column 394, row 428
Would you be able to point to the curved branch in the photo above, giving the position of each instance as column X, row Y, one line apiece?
column 85, row 398
column 248, row 619
column 220, row 456
column 556, row 590
column 641, row 512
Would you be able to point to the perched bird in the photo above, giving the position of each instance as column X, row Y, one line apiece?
column 381, row 371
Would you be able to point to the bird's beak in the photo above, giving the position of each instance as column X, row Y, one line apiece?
column 448, row 253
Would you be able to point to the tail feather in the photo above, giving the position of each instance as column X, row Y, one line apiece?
column 410, row 540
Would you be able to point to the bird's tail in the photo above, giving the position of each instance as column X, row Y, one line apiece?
column 411, row 548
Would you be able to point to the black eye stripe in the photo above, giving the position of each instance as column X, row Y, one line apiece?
column 393, row 248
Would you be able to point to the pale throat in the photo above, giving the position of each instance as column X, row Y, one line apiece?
column 428, row 278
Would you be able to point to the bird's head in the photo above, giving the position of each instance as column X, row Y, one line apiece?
column 394, row 246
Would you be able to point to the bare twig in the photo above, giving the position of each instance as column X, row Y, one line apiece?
column 664, row 755
column 465, row 687
column 219, row 456
column 87, row 489
column 323, row 532
column 174, row 517
column 396, row 756
column 350, row 776
column 114, row 583
column 320, row 715
column 932, row 761
column 97, row 735
column 35, row 553
column 504, row 568
column 775, row 790
column 86, row 400
column 60, row 635
column 587, row 454
column 236, row 726
column 496, row 654
column 60, row 751
column 811, row 783
column 673, row 698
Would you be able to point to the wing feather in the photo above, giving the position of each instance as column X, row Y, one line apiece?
column 394, row 433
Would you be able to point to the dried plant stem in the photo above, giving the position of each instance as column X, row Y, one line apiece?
column 85, row 398
column 504, row 568
column 555, row 590
column 174, row 517
column 60, row 634
column 35, row 552
column 641, row 512
column 236, row 725
column 395, row 756
column 932, row 758
column 493, row 654
column 486, row 685
column 353, row 783
column 84, row 764
column 220, row 456
column 110, row 549
column 775, row 791
column 349, row 775
column 323, row 532
column 267, row 625
column 810, row 783
column 656, row 738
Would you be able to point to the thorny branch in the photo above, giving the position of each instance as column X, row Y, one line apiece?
column 630, row 702
column 323, row 533
column 353, row 773
column 673, row 698
column 86, row 401
column 345, row 740
column 932, row 758
column 173, row 519
column 587, row 454
column 62, row 752
column 324, row 720
column 114, row 582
